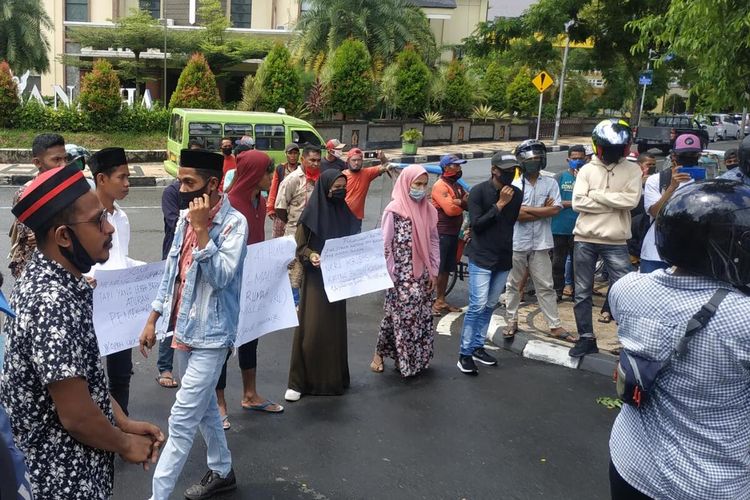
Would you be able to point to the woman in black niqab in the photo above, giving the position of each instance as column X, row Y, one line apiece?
column 319, row 364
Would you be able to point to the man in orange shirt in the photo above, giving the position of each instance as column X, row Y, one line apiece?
column 292, row 162
column 358, row 181
column 450, row 200
column 230, row 163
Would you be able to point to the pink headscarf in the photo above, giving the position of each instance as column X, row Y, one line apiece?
column 422, row 214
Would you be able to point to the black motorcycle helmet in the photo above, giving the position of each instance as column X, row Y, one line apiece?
column 531, row 149
column 612, row 139
column 744, row 156
column 705, row 229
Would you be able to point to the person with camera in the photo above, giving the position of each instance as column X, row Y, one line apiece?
column 688, row 438
column 659, row 188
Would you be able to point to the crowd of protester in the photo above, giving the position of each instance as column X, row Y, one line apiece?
column 685, row 237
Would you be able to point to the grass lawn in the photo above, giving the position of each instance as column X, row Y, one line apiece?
column 12, row 138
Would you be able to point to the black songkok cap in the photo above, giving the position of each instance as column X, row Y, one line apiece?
column 48, row 194
column 202, row 159
column 107, row 158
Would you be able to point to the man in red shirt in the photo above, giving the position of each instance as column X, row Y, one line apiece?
column 230, row 163
column 450, row 200
column 358, row 181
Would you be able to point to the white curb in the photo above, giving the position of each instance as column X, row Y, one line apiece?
column 549, row 353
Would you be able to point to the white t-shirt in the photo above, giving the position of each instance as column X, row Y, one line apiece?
column 118, row 254
column 651, row 195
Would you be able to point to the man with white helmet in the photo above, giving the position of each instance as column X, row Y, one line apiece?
column 605, row 192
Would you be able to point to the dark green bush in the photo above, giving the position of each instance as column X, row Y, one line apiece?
column 9, row 101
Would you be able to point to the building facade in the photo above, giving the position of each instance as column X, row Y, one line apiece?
column 450, row 20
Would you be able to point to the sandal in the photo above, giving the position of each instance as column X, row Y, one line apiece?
column 377, row 367
column 510, row 331
column 437, row 312
column 451, row 308
column 225, row 422
column 267, row 406
column 167, row 381
column 567, row 291
column 605, row 317
column 565, row 336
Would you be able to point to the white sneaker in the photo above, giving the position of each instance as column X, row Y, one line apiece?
column 292, row 395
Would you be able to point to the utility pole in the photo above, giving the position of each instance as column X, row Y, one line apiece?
column 558, row 115
column 651, row 56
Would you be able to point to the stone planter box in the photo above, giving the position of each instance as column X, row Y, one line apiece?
column 133, row 156
column 482, row 131
column 384, row 134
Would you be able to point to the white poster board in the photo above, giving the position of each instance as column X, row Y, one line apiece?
column 266, row 303
column 354, row 265
column 122, row 304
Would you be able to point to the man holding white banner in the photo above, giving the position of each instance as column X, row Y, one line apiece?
column 110, row 169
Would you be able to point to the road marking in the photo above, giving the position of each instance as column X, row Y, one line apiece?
column 444, row 325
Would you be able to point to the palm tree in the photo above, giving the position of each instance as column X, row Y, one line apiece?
column 22, row 42
column 385, row 26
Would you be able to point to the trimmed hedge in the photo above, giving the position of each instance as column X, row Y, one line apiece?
column 34, row 116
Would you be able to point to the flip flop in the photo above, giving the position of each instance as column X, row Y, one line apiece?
column 564, row 336
column 605, row 318
column 172, row 382
column 264, row 407
column 225, row 422
column 437, row 312
column 452, row 309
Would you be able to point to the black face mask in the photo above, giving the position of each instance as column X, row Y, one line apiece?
column 506, row 177
column 338, row 195
column 186, row 198
column 226, row 151
column 79, row 257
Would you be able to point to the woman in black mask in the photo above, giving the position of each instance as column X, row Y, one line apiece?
column 319, row 363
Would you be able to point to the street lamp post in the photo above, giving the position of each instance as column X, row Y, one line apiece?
column 558, row 115
column 164, row 54
column 651, row 56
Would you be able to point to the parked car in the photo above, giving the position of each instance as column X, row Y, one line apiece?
column 705, row 124
column 663, row 131
column 738, row 119
column 727, row 127
column 271, row 132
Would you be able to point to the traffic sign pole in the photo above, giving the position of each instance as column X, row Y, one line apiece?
column 539, row 115
column 643, row 96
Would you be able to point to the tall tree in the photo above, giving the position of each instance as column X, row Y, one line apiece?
column 713, row 37
column 23, row 43
column 606, row 22
column 277, row 84
column 196, row 87
column 384, row 26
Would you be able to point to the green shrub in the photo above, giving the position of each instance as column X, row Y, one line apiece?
column 279, row 82
column 140, row 119
column 521, row 95
column 31, row 116
column 196, row 87
column 457, row 98
column 100, row 92
column 70, row 119
column 350, row 79
column 9, row 101
column 495, row 83
column 413, row 79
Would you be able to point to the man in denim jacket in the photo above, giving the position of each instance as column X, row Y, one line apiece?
column 199, row 300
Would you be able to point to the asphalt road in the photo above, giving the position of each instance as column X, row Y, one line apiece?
column 521, row 430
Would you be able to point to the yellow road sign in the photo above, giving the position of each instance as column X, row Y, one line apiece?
column 542, row 81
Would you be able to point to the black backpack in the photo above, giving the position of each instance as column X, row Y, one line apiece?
column 641, row 223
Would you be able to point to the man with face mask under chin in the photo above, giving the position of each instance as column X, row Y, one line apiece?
column 605, row 192
column 203, row 272
column 53, row 387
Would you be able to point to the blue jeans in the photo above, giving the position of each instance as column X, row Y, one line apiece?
column 649, row 266
column 617, row 263
column 568, row 271
column 485, row 287
column 195, row 408
column 166, row 354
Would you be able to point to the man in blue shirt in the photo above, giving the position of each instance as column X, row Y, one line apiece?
column 564, row 222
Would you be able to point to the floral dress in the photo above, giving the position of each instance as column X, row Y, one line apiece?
column 406, row 332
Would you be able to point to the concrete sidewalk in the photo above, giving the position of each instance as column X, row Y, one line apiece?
column 153, row 174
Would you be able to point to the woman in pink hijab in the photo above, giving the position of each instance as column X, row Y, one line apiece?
column 412, row 252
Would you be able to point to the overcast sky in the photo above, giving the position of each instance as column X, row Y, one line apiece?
column 508, row 8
